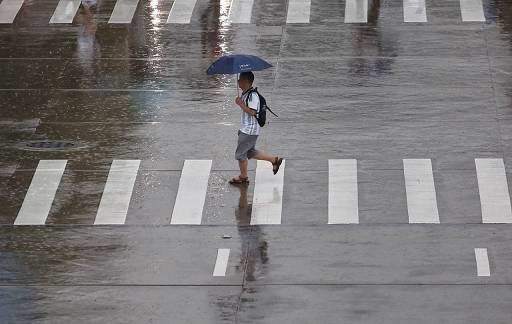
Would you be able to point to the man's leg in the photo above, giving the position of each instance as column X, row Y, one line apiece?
column 260, row 155
column 276, row 161
column 241, row 155
column 243, row 164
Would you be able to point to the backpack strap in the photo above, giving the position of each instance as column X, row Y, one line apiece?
column 267, row 107
column 249, row 93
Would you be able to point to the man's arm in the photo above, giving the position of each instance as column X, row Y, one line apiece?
column 244, row 107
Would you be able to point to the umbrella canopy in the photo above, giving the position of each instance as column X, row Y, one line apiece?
column 233, row 64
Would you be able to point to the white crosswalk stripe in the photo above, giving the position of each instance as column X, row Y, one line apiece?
column 41, row 193
column 221, row 263
column 123, row 11
column 493, row 189
column 240, row 11
column 188, row 207
column 356, row 11
column 65, row 12
column 421, row 192
column 472, row 10
column 117, row 193
column 482, row 262
column 268, row 194
column 341, row 190
column 9, row 9
column 181, row 11
column 343, row 197
column 415, row 11
column 298, row 11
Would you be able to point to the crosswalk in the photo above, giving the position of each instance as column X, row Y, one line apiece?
column 118, row 192
column 421, row 193
column 267, row 205
column 356, row 11
column 188, row 208
column 9, row 9
column 181, row 12
column 494, row 195
column 415, row 11
column 343, row 198
column 65, row 12
column 268, row 195
column 471, row 10
column 123, row 12
column 299, row 12
column 242, row 11
column 41, row 193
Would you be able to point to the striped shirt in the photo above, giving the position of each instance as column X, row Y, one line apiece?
column 249, row 124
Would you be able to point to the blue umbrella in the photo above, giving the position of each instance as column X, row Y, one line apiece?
column 234, row 64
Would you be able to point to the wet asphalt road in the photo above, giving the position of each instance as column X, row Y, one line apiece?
column 378, row 92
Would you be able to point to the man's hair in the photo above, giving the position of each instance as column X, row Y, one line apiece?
column 249, row 76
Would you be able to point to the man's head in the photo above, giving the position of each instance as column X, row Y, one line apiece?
column 245, row 81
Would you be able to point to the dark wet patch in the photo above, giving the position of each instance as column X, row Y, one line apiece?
column 51, row 145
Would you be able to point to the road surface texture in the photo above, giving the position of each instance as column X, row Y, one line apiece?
column 392, row 205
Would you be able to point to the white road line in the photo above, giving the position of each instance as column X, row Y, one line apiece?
column 188, row 208
column 9, row 9
column 123, row 12
column 65, row 12
column 268, row 194
column 181, row 11
column 472, row 10
column 482, row 263
column 240, row 11
column 493, row 189
column 356, row 11
column 40, row 194
column 221, row 263
column 118, row 192
column 421, row 192
column 298, row 11
column 415, row 11
column 343, row 198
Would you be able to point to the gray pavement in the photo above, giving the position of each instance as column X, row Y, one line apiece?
column 378, row 92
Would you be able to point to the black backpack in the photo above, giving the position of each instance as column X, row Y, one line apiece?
column 261, row 116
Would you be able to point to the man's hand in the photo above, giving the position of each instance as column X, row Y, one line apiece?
column 244, row 107
column 239, row 102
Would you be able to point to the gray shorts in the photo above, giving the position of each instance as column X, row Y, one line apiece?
column 246, row 148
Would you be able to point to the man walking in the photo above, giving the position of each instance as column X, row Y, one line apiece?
column 249, row 131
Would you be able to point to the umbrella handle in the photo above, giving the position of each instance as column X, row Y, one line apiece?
column 236, row 85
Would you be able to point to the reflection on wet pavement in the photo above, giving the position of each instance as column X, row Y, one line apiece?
column 253, row 243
